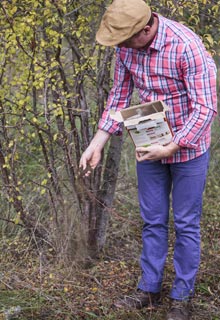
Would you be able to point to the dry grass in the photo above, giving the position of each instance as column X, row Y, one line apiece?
column 45, row 288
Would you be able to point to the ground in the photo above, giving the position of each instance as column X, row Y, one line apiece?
column 45, row 290
column 44, row 287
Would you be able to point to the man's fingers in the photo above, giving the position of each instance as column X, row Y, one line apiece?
column 141, row 152
column 83, row 163
column 85, row 172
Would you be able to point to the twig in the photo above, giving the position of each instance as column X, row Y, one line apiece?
column 7, row 285
column 11, row 221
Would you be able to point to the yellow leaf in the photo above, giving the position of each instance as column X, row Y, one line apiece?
column 44, row 182
column 13, row 10
column 17, row 219
column 209, row 38
column 11, row 143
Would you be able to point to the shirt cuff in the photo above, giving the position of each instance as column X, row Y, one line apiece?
column 183, row 142
column 112, row 127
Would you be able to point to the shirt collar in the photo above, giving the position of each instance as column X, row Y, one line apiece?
column 160, row 37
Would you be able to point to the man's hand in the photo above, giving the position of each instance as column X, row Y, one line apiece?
column 92, row 155
column 156, row 152
column 89, row 160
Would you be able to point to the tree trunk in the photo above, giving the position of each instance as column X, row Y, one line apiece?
column 101, row 207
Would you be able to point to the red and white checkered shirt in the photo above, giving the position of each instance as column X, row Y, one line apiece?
column 177, row 69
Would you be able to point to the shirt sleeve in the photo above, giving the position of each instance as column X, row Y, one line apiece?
column 199, row 72
column 119, row 97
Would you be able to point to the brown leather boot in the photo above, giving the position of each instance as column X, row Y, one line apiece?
column 138, row 300
column 180, row 310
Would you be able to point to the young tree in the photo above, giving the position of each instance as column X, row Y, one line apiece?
column 54, row 83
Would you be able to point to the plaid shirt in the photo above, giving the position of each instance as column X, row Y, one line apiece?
column 177, row 69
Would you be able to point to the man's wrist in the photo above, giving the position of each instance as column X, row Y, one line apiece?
column 172, row 148
column 99, row 140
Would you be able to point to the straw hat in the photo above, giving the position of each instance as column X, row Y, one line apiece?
column 121, row 20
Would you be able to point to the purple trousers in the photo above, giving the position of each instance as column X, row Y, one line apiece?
column 182, row 184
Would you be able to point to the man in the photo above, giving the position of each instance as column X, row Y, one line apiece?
column 166, row 61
